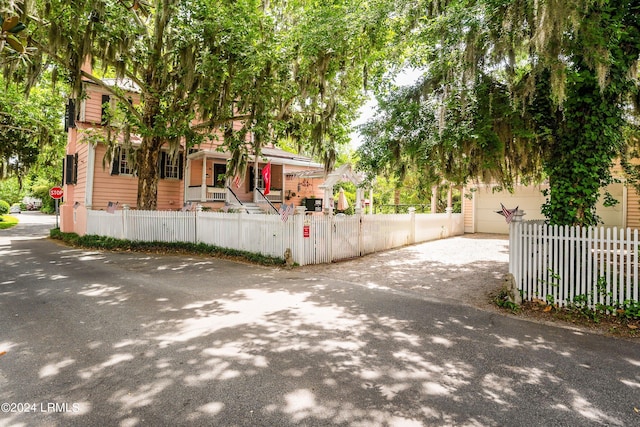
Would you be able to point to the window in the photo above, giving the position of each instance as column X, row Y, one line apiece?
column 121, row 162
column 125, row 167
column 104, row 109
column 170, row 166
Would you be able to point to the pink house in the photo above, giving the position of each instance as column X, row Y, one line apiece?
column 193, row 177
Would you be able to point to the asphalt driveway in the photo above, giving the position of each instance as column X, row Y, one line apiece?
column 90, row 338
column 464, row 269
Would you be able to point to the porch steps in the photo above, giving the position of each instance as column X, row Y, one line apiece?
column 253, row 209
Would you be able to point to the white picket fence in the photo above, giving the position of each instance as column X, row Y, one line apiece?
column 313, row 239
column 597, row 267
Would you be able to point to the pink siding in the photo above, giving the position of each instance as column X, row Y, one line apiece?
column 467, row 210
column 111, row 188
column 196, row 172
column 124, row 189
column 93, row 108
column 72, row 218
column 81, row 183
column 93, row 103
column 170, row 194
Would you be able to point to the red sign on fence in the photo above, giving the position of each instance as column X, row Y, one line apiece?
column 56, row 193
column 305, row 231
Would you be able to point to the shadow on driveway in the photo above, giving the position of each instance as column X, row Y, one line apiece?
column 464, row 268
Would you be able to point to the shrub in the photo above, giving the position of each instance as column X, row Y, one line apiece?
column 4, row 207
column 42, row 192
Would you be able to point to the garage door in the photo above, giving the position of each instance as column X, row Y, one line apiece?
column 530, row 199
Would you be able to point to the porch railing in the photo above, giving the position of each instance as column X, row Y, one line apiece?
column 262, row 197
column 275, row 195
column 212, row 194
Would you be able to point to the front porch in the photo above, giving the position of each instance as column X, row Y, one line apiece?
column 210, row 194
column 206, row 181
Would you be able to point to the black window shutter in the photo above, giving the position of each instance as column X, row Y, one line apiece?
column 115, row 165
column 69, row 115
column 104, row 109
column 75, row 168
column 251, row 178
column 68, row 169
column 163, row 162
column 64, row 167
column 180, row 165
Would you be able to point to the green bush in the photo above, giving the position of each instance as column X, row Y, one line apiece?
column 42, row 192
column 4, row 207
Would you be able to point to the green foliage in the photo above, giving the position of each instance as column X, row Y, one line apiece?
column 7, row 221
column 513, row 90
column 502, row 300
column 629, row 310
column 42, row 192
column 4, row 207
column 281, row 70
column 579, row 160
column 10, row 190
column 109, row 243
column 29, row 127
column 589, row 305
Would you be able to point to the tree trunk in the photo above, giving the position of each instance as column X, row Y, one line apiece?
column 148, row 173
column 396, row 199
column 434, row 199
column 151, row 144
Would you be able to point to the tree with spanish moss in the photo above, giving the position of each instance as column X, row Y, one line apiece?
column 524, row 89
column 281, row 68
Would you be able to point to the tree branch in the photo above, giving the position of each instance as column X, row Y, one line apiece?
column 17, row 128
column 217, row 122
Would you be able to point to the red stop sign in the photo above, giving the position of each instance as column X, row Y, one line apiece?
column 56, row 193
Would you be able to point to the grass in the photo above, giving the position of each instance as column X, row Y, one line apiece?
column 7, row 221
column 111, row 244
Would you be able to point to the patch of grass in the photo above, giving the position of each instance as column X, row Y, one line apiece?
column 111, row 244
column 7, row 221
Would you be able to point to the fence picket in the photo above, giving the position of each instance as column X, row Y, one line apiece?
column 599, row 265
column 635, row 266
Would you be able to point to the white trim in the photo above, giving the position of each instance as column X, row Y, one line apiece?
column 625, row 194
column 252, row 159
column 91, row 160
column 83, row 110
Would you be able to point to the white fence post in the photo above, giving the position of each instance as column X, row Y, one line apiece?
column 516, row 247
column 125, row 222
column 449, row 211
column 196, row 228
column 299, row 252
column 412, row 231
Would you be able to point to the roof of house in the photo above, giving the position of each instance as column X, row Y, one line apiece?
column 274, row 155
column 127, row 85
